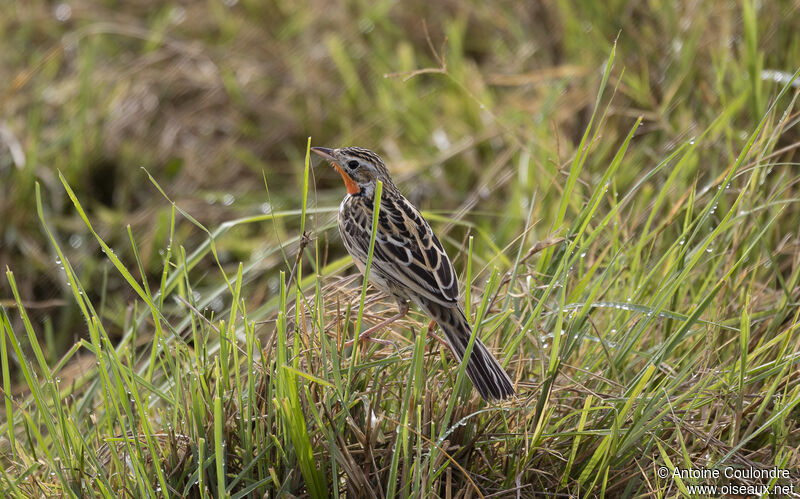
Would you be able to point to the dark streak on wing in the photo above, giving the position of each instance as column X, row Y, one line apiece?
column 400, row 252
column 410, row 212
column 433, row 256
column 423, row 273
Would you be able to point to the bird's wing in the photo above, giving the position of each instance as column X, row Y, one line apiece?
column 406, row 249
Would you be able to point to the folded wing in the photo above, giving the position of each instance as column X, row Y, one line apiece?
column 406, row 250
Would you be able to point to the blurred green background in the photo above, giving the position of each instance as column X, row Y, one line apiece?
column 213, row 97
column 663, row 332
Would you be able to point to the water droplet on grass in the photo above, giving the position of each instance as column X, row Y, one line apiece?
column 62, row 12
column 178, row 15
column 365, row 25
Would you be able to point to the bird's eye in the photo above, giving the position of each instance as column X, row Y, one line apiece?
column 353, row 164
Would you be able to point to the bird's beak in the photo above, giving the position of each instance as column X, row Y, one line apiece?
column 324, row 152
column 351, row 186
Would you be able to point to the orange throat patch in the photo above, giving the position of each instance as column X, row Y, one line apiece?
column 349, row 183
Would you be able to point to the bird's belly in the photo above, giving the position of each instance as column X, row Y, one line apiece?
column 387, row 286
column 377, row 280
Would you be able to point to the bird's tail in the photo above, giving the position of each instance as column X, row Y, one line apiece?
column 486, row 374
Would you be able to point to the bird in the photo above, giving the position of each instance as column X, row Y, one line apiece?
column 409, row 263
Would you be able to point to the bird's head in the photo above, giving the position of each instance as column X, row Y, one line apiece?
column 360, row 168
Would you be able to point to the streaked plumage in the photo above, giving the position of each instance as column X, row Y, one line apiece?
column 409, row 263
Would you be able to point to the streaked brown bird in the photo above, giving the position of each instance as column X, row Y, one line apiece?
column 408, row 263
